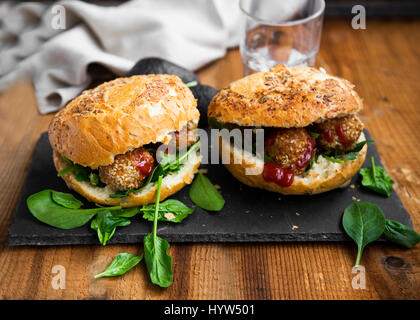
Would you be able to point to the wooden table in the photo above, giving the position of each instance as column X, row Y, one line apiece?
column 384, row 63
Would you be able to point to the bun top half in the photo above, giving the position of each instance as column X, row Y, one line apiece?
column 121, row 115
column 285, row 97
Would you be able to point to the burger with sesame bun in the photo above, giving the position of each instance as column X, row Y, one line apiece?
column 313, row 138
column 111, row 143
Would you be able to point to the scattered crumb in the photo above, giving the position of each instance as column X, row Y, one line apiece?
column 169, row 216
column 279, row 198
column 295, row 227
column 358, row 199
column 353, row 198
column 203, row 225
column 217, row 186
column 352, row 186
column 204, row 171
column 247, row 211
column 298, row 214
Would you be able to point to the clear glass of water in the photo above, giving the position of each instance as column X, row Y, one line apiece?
column 280, row 32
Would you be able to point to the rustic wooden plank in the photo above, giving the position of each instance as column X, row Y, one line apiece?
column 383, row 61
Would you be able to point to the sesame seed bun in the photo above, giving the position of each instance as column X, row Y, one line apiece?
column 171, row 184
column 285, row 97
column 121, row 115
column 323, row 176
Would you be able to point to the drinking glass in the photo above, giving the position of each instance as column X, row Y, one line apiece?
column 280, row 32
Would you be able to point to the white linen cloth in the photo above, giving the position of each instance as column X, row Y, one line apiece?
column 190, row 33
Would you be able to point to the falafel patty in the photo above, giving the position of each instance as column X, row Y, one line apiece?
column 339, row 134
column 290, row 148
column 129, row 170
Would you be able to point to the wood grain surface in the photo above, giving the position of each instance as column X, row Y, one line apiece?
column 384, row 63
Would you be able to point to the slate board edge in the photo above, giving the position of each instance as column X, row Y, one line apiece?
column 224, row 238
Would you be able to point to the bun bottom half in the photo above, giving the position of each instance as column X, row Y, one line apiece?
column 323, row 176
column 171, row 184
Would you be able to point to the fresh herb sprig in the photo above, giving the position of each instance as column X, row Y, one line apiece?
column 376, row 179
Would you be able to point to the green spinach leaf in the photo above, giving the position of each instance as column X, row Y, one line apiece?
column 401, row 234
column 364, row 222
column 81, row 173
column 351, row 155
column 170, row 211
column 67, row 200
column 158, row 261
column 45, row 209
column 205, row 195
column 376, row 179
column 122, row 263
column 333, row 159
column 105, row 224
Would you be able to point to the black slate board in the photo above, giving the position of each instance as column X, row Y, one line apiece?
column 250, row 215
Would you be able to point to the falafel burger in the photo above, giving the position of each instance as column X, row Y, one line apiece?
column 112, row 142
column 313, row 138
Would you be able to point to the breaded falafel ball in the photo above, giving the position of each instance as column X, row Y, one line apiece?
column 339, row 134
column 290, row 148
column 129, row 170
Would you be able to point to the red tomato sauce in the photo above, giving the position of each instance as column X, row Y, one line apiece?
column 274, row 173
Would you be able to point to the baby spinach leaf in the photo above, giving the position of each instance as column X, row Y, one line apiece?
column 66, row 200
column 95, row 181
column 205, row 195
column 333, row 159
column 105, row 223
column 350, row 155
column 45, row 209
column 359, row 146
column 158, row 261
column 364, row 222
column 376, row 179
column 119, row 194
column 314, row 135
column 126, row 213
column 81, row 173
column 120, row 265
column 170, row 211
column 401, row 234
